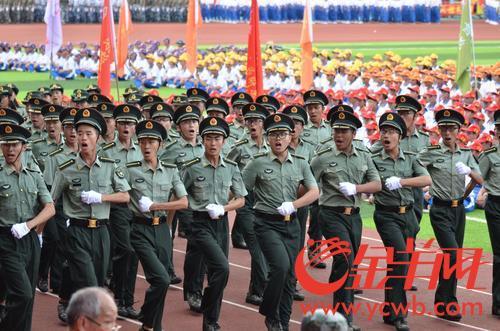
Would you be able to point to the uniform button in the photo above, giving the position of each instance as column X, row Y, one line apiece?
column 21, row 190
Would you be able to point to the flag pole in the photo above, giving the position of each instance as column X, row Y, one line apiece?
column 473, row 50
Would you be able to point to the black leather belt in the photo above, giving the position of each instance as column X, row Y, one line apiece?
column 394, row 209
column 494, row 198
column 90, row 223
column 343, row 210
column 205, row 215
column 447, row 203
column 275, row 217
column 150, row 221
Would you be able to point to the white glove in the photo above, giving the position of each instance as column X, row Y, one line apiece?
column 393, row 183
column 91, row 197
column 40, row 239
column 215, row 211
column 286, row 208
column 19, row 230
column 144, row 204
column 347, row 189
column 68, row 223
column 462, row 169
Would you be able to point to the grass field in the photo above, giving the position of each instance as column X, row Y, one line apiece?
column 476, row 233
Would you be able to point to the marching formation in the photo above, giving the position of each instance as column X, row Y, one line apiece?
column 89, row 188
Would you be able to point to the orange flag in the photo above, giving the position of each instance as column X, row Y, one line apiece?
column 254, row 83
column 106, row 50
column 124, row 29
column 306, row 40
column 194, row 21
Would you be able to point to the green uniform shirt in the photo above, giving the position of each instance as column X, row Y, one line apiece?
column 180, row 151
column 244, row 151
column 37, row 134
column 120, row 154
column 412, row 143
column 207, row 184
column 405, row 166
column 237, row 131
column 331, row 167
column 447, row 184
column 314, row 134
column 75, row 176
column 489, row 163
column 21, row 194
column 357, row 143
column 54, row 159
column 304, row 148
column 41, row 149
column 156, row 185
column 273, row 182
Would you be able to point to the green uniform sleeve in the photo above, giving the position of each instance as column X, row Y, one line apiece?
column 418, row 168
column 58, row 186
column 316, row 168
column 472, row 163
column 249, row 175
column 237, row 185
column 178, row 185
column 425, row 157
column 484, row 165
column 372, row 174
column 120, row 183
column 44, row 196
column 309, row 181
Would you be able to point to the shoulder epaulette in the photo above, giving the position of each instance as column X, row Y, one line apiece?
column 230, row 162
column 490, row 150
column 66, row 164
column 33, row 170
column 168, row 165
column 363, row 149
column 191, row 162
column 465, row 149
column 241, row 142
column 108, row 146
column 434, row 147
column 298, row 156
column 326, row 140
column 36, row 141
column 323, row 151
column 376, row 154
column 106, row 159
column 57, row 151
column 409, row 153
column 133, row 164
column 259, row 155
column 170, row 144
column 423, row 132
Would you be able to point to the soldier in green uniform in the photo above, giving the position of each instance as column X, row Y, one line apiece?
column 88, row 185
column 25, row 204
column 125, row 261
column 489, row 163
column 275, row 178
column 79, row 98
column 448, row 164
column 269, row 102
column 145, row 103
column 343, row 172
column 242, row 153
column 197, row 97
column 238, row 100
column 214, row 187
column 95, row 99
column 218, row 107
column 152, row 183
column 56, row 94
column 106, row 110
column 36, row 124
column 394, row 216
column 179, row 100
column 163, row 113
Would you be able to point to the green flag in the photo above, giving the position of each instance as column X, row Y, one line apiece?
column 465, row 48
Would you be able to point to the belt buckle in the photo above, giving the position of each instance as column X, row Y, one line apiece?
column 92, row 223
column 402, row 209
column 347, row 210
column 454, row 203
column 156, row 220
column 287, row 218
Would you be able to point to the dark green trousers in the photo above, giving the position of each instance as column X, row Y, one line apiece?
column 88, row 256
column 152, row 245
column 279, row 241
column 258, row 265
column 347, row 228
column 211, row 238
column 449, row 225
column 418, row 204
column 492, row 212
column 124, row 258
column 395, row 229
column 19, row 262
column 194, row 266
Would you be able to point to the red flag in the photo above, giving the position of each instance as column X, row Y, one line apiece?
column 194, row 21
column 306, row 40
column 106, row 49
column 254, row 61
column 124, row 29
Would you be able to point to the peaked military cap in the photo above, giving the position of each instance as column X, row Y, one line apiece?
column 394, row 120
column 134, row 98
column 149, row 99
column 296, row 112
column 278, row 122
column 67, row 116
column 405, row 102
column 10, row 116
column 51, row 112
column 241, row 99
column 215, row 125
column 179, row 100
column 56, row 87
column 5, row 90
column 255, row 110
column 151, row 129
column 106, row 109
column 271, row 103
column 332, row 110
column 36, row 104
column 161, row 109
column 127, row 113
column 91, row 89
column 196, row 94
column 186, row 112
column 313, row 96
column 12, row 133
column 79, row 95
column 217, row 104
column 92, row 117
column 344, row 120
column 449, row 116
column 97, row 98
column 13, row 87
column 44, row 90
